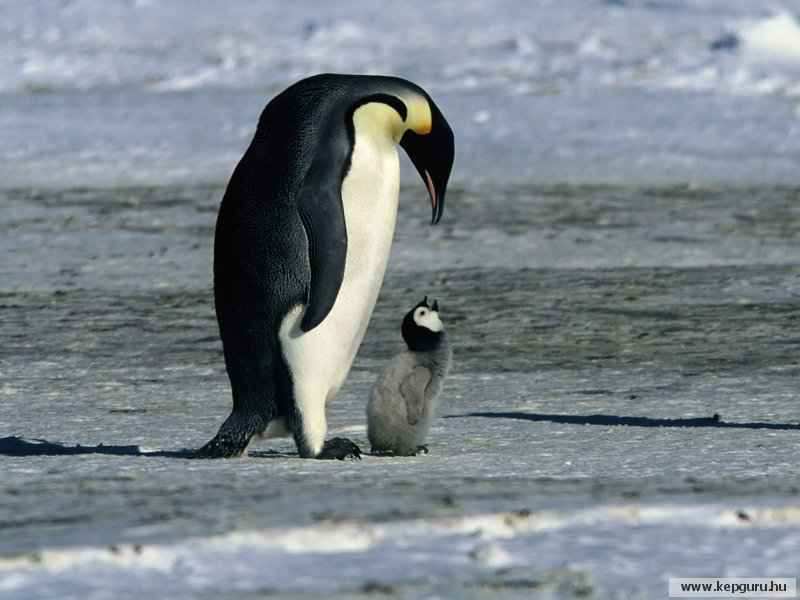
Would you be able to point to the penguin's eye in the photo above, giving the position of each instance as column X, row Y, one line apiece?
column 422, row 312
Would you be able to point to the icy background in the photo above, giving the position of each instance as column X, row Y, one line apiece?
column 120, row 91
column 617, row 266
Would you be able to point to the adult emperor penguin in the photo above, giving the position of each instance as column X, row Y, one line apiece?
column 302, row 242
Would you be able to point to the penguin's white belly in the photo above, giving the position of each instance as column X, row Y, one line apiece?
column 320, row 359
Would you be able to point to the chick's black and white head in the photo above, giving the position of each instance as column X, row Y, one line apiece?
column 422, row 328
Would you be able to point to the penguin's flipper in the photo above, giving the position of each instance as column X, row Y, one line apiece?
column 320, row 206
column 413, row 390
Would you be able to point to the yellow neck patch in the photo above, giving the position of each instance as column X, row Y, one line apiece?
column 379, row 119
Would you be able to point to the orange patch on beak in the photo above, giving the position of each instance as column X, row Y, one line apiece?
column 431, row 191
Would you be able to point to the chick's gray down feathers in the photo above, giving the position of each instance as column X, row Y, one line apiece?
column 404, row 400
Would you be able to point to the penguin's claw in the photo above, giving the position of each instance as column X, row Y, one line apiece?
column 419, row 450
column 340, row 449
column 233, row 436
column 220, row 447
column 375, row 452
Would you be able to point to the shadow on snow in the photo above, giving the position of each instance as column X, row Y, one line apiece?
column 609, row 420
column 17, row 446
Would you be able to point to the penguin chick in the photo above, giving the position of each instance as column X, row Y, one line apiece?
column 403, row 400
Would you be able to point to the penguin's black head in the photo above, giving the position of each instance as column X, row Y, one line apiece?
column 432, row 150
column 422, row 329
column 417, row 123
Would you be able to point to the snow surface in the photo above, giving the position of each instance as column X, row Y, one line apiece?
column 119, row 92
column 494, row 550
column 622, row 407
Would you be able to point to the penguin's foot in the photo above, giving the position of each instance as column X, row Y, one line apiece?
column 403, row 452
column 341, row 449
column 375, row 452
column 222, row 447
column 232, row 439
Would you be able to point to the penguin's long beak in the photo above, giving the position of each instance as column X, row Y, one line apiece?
column 432, row 154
